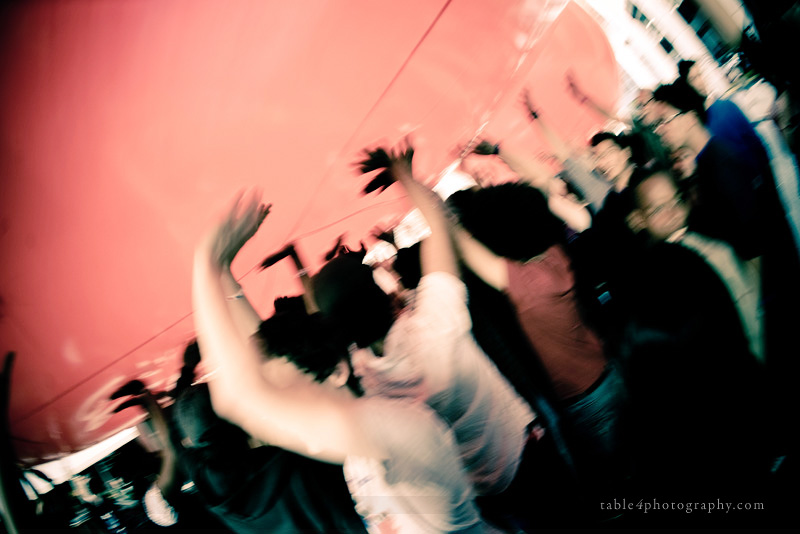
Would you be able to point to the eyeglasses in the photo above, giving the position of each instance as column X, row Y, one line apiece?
column 662, row 208
column 663, row 122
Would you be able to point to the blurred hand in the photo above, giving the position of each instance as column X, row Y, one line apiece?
column 529, row 106
column 573, row 87
column 395, row 164
column 238, row 226
column 485, row 148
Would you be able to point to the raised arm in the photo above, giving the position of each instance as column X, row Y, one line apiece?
column 437, row 253
column 244, row 315
column 489, row 267
column 289, row 251
column 306, row 418
column 305, row 279
column 586, row 100
column 532, row 171
column 560, row 149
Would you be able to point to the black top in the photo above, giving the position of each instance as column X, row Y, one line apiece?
column 726, row 199
column 262, row 490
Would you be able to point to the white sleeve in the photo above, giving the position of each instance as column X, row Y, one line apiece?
column 441, row 304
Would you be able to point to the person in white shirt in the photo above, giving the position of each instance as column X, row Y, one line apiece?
column 400, row 461
column 426, row 352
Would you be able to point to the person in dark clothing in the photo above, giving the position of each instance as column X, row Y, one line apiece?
column 738, row 204
column 263, row 489
column 699, row 421
column 250, row 490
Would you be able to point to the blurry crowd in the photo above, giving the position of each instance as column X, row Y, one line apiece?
column 616, row 323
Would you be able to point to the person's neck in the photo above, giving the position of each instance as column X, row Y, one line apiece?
column 623, row 178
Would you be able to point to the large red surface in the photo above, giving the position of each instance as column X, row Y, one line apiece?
column 128, row 125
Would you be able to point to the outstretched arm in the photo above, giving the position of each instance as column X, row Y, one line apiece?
column 244, row 315
column 561, row 150
column 305, row 418
column 483, row 262
column 436, row 253
column 589, row 102
column 305, row 279
column 532, row 171
column 308, row 289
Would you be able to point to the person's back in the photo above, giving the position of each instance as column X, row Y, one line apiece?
column 420, row 486
column 429, row 355
column 460, row 382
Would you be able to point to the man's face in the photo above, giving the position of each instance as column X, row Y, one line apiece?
column 609, row 159
column 660, row 207
column 673, row 127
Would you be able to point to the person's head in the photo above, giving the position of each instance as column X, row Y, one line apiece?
column 310, row 344
column 511, row 219
column 350, row 299
column 681, row 114
column 408, row 267
column 191, row 358
column 644, row 107
column 658, row 206
column 611, row 153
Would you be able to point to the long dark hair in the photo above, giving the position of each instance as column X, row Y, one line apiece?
column 511, row 219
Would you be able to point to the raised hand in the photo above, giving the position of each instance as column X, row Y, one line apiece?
column 486, row 148
column 238, row 226
column 374, row 160
column 139, row 395
column 529, row 106
column 395, row 164
column 574, row 89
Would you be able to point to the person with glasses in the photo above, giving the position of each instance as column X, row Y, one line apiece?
column 724, row 185
column 662, row 213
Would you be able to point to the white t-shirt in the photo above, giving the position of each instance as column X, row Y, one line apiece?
column 430, row 356
column 419, row 487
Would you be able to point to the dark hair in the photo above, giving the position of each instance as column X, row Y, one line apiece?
column 682, row 97
column 630, row 140
column 351, row 301
column 684, row 66
column 599, row 137
column 303, row 339
column 407, row 265
column 196, row 420
column 640, row 176
column 511, row 219
column 191, row 357
column 292, row 304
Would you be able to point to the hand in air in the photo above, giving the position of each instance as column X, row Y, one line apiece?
column 486, row 148
column 238, row 226
column 529, row 106
column 138, row 393
column 573, row 87
column 395, row 164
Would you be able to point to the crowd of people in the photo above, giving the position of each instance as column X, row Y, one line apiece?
column 617, row 326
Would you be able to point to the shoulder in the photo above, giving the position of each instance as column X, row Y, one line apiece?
column 440, row 280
